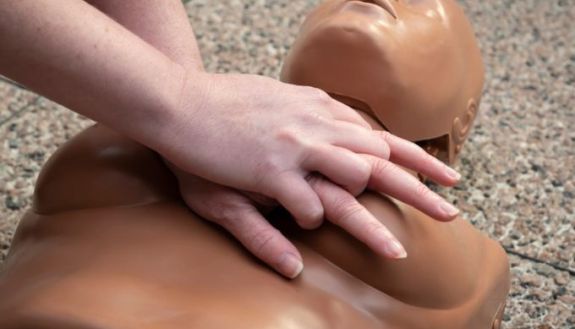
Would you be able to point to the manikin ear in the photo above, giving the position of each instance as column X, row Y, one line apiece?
column 100, row 168
column 461, row 128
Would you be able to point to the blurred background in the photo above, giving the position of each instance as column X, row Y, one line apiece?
column 517, row 166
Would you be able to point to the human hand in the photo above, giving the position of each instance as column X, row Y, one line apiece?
column 241, row 215
column 239, row 212
column 261, row 135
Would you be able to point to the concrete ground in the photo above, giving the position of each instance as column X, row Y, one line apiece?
column 518, row 185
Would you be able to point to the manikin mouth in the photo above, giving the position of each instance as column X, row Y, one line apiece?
column 385, row 4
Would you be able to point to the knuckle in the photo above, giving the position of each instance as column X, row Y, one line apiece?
column 318, row 94
column 260, row 241
column 421, row 190
column 316, row 181
column 426, row 161
column 385, row 135
column 346, row 211
column 312, row 118
column 375, row 229
column 266, row 171
column 261, row 200
column 225, row 211
column 386, row 151
column 381, row 168
column 312, row 221
column 363, row 172
column 293, row 138
column 358, row 184
column 222, row 215
column 323, row 97
column 287, row 135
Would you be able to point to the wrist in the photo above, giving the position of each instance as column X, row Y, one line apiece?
column 150, row 112
column 174, row 128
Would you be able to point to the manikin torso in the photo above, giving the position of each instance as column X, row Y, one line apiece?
column 109, row 244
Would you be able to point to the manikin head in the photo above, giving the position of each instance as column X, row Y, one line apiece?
column 414, row 65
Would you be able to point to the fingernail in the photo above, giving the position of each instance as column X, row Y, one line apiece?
column 395, row 249
column 452, row 173
column 448, row 209
column 290, row 265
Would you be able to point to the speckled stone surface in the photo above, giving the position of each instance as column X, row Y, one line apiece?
column 13, row 99
column 518, row 185
column 519, row 165
column 541, row 297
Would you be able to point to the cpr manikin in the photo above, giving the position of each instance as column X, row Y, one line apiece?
column 109, row 244
column 413, row 65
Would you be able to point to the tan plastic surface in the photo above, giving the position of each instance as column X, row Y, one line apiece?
column 415, row 64
column 109, row 245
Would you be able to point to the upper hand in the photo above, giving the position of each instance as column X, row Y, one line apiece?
column 257, row 134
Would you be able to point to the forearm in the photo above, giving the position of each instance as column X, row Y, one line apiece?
column 72, row 53
column 162, row 24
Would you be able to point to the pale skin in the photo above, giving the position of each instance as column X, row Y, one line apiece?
column 235, row 142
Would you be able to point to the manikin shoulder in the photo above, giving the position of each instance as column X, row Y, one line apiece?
column 101, row 168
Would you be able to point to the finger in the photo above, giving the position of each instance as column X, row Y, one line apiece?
column 340, row 165
column 343, row 209
column 236, row 214
column 359, row 139
column 410, row 155
column 294, row 193
column 342, row 112
column 265, row 242
column 391, row 179
column 262, row 203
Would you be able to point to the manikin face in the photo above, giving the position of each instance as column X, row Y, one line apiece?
column 413, row 64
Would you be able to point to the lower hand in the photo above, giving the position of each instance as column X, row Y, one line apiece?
column 240, row 214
